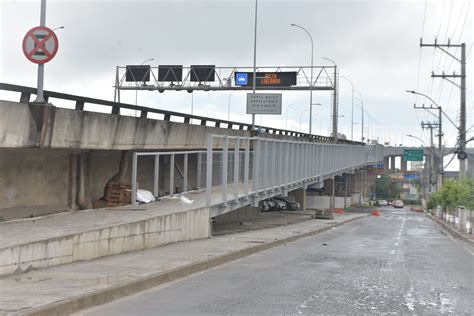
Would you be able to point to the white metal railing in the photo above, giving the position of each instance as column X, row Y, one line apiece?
column 244, row 170
column 156, row 173
column 278, row 166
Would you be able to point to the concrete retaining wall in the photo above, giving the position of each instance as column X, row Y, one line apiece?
column 33, row 179
column 107, row 241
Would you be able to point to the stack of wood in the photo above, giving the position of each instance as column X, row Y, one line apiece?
column 118, row 194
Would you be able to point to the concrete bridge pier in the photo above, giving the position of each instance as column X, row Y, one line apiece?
column 386, row 164
column 403, row 165
column 392, row 163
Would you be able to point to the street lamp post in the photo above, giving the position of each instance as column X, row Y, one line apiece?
column 286, row 116
column 228, row 106
column 254, row 83
column 362, row 112
column 334, row 100
column 311, row 85
column 352, row 107
column 301, row 116
column 136, row 91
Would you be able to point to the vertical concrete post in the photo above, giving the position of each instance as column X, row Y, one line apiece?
column 333, row 193
column 346, row 185
column 83, row 180
column 462, row 224
column 72, row 182
column 403, row 165
column 300, row 197
column 386, row 164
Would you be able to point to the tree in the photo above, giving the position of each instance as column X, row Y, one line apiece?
column 385, row 187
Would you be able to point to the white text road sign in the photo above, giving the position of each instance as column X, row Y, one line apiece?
column 40, row 45
column 264, row 103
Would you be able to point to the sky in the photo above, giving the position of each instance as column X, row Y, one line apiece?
column 375, row 43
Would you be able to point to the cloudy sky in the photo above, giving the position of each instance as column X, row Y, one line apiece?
column 375, row 43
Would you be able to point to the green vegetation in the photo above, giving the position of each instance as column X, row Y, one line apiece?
column 385, row 187
column 454, row 193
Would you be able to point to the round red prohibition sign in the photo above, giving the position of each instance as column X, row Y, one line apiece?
column 40, row 45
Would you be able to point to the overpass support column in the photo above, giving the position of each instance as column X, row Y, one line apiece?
column 350, row 178
column 329, row 190
column 392, row 164
column 300, row 197
column 403, row 165
column 386, row 162
column 83, row 197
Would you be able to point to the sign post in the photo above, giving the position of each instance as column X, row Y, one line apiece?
column 40, row 45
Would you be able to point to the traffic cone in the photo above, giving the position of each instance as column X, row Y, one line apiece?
column 338, row 210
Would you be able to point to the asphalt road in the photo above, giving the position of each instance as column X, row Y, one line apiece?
column 398, row 263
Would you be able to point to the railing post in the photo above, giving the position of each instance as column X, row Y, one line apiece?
column 156, row 178
column 185, row 181
column 199, row 170
column 134, row 178
column 236, row 167
column 273, row 168
column 225, row 162
column 209, row 171
column 256, row 171
column 265, row 165
column 171, row 174
column 247, row 166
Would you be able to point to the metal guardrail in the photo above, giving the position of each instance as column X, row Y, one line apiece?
column 279, row 166
column 80, row 101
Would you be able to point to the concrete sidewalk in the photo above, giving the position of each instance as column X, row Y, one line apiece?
column 71, row 287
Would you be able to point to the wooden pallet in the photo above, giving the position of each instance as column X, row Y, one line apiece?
column 118, row 194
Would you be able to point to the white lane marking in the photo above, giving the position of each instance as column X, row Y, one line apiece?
column 396, row 244
column 392, row 252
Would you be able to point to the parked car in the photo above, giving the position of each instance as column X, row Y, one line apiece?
column 278, row 203
column 290, row 205
column 398, row 204
column 382, row 203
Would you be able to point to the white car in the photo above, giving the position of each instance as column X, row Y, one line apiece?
column 398, row 204
column 383, row 203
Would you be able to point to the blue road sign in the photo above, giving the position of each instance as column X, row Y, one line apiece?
column 241, row 78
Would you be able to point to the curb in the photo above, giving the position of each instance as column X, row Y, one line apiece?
column 450, row 230
column 100, row 297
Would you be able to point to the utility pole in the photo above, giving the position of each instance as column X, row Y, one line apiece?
column 434, row 159
column 334, row 106
column 450, row 78
column 439, row 180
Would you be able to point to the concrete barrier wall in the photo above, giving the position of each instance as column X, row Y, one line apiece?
column 356, row 199
column 317, row 202
column 239, row 214
column 107, row 241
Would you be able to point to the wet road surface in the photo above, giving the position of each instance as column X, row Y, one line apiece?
column 398, row 263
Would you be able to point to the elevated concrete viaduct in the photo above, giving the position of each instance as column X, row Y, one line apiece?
column 55, row 158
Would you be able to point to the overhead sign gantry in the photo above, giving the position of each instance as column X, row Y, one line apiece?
column 212, row 78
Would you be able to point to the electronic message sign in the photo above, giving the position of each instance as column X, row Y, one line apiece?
column 266, row 79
